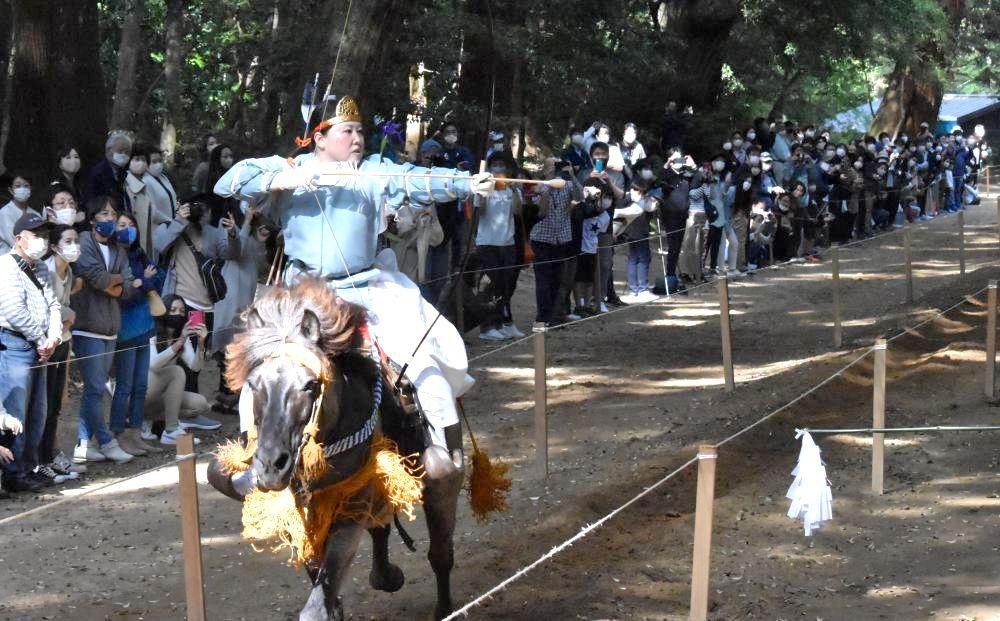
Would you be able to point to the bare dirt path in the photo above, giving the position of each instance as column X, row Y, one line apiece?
column 631, row 394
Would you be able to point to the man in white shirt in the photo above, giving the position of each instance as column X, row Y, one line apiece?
column 30, row 330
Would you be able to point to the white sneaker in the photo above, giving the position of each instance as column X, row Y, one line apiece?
column 492, row 335
column 573, row 317
column 83, row 452
column 646, row 296
column 112, row 451
column 604, row 307
column 46, row 473
column 147, row 431
column 630, row 298
column 169, row 438
column 110, row 387
column 511, row 331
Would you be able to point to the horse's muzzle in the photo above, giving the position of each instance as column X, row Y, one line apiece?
column 273, row 470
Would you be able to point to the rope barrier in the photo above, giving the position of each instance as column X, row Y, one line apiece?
column 867, row 430
column 586, row 530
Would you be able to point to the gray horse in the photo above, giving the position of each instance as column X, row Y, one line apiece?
column 284, row 393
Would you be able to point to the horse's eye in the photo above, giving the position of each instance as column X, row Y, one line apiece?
column 311, row 386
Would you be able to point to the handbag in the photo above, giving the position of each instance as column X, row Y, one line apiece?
column 210, row 271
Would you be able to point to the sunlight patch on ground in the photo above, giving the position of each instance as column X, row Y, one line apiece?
column 164, row 477
column 865, row 440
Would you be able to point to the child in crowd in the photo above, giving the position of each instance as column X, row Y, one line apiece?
column 596, row 217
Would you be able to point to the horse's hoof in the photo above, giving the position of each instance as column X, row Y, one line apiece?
column 390, row 582
column 441, row 612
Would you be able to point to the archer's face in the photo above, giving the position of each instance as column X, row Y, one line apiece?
column 344, row 142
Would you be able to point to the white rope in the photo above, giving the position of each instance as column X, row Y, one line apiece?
column 586, row 530
column 912, row 329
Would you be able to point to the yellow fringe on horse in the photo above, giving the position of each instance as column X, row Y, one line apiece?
column 302, row 523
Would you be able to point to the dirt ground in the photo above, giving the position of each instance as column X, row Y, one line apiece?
column 630, row 397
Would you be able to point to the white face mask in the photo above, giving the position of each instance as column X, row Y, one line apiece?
column 119, row 159
column 751, row 135
column 841, row 152
column 646, row 173
column 858, row 164
column 754, row 159
column 718, row 166
column 69, row 252
column 450, row 139
column 66, row 215
column 629, row 137
column 156, row 169
column 754, row 171
column 137, row 168
column 37, row 247
column 727, row 146
column 738, row 143
column 22, row 194
column 766, row 167
column 71, row 166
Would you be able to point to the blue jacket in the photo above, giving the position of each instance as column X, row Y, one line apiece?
column 105, row 179
column 136, row 319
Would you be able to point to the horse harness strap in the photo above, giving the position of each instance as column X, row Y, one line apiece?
column 368, row 429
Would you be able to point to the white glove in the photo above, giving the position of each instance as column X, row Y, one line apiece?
column 244, row 482
column 481, row 184
column 777, row 190
column 298, row 177
column 11, row 424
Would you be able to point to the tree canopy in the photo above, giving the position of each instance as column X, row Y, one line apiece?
column 171, row 70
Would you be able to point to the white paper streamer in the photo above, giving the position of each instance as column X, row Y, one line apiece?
column 812, row 499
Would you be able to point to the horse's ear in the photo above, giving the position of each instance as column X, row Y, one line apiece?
column 254, row 320
column 310, row 326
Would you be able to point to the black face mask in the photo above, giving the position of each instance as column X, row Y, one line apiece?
column 175, row 323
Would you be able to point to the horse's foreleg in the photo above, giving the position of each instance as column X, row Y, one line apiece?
column 324, row 602
column 442, row 486
column 384, row 575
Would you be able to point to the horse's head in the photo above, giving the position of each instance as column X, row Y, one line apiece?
column 285, row 357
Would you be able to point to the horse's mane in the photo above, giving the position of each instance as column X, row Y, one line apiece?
column 280, row 312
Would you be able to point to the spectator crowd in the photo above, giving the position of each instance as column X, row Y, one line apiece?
column 137, row 286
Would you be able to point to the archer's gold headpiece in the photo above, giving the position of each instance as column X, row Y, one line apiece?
column 347, row 110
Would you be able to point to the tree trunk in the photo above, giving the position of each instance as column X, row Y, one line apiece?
column 126, row 87
column 30, row 137
column 76, row 76
column 173, row 25
column 701, row 29
column 913, row 96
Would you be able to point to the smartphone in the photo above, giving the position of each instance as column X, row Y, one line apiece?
column 196, row 317
column 599, row 166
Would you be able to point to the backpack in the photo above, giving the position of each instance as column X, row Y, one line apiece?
column 210, row 271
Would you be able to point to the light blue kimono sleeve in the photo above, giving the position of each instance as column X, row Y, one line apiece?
column 250, row 180
column 420, row 190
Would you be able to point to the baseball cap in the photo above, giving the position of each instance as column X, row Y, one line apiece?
column 30, row 221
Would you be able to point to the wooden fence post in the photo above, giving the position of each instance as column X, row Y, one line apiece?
column 878, row 418
column 194, row 584
column 701, row 560
column 961, row 242
column 991, row 341
column 998, row 218
column 541, row 405
column 727, row 342
column 908, row 251
column 838, row 329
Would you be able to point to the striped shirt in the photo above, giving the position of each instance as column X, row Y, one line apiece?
column 35, row 313
column 555, row 228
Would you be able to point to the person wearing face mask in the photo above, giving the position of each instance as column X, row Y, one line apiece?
column 107, row 280
column 68, row 170
column 672, row 129
column 495, row 250
column 199, row 180
column 172, row 354
column 691, row 261
column 644, row 199
column 240, row 275
column 781, row 151
column 221, row 160
column 188, row 240
column 131, row 368
column 576, row 152
column 64, row 243
column 138, row 198
column 615, row 180
column 595, row 219
column 107, row 177
column 721, row 242
column 162, row 196
column 497, row 142
column 20, row 191
column 451, row 214
column 601, row 133
column 673, row 216
column 735, row 151
column 552, row 243
column 631, row 149
column 63, row 209
column 961, row 168
column 30, row 330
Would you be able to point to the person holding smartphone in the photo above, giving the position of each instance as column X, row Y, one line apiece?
column 189, row 240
